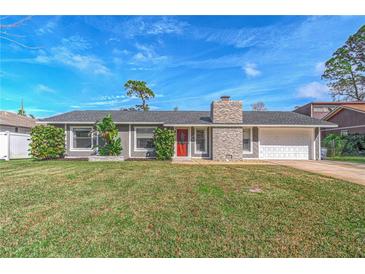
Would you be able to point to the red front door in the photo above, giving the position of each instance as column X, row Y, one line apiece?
column 182, row 142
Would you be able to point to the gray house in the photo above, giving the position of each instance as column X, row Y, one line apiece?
column 223, row 133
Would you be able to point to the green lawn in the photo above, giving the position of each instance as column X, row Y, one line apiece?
column 354, row 159
column 158, row 209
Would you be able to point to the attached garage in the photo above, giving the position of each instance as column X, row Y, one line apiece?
column 286, row 143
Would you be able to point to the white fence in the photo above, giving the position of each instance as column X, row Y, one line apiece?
column 14, row 145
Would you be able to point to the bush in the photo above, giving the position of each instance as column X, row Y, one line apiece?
column 47, row 142
column 335, row 144
column 164, row 141
column 109, row 133
column 352, row 144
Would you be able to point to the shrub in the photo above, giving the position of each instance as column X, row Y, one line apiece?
column 352, row 144
column 335, row 144
column 47, row 142
column 109, row 133
column 164, row 140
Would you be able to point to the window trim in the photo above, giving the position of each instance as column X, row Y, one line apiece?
column 135, row 139
column 206, row 140
column 71, row 139
column 251, row 141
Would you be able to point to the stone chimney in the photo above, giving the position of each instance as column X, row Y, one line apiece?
column 227, row 140
column 226, row 111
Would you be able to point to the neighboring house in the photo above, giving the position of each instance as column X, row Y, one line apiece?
column 349, row 116
column 224, row 133
column 12, row 122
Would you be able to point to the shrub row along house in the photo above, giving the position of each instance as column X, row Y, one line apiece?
column 223, row 133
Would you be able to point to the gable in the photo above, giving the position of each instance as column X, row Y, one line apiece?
column 348, row 117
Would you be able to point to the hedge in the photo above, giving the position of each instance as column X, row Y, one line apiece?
column 47, row 142
column 164, row 141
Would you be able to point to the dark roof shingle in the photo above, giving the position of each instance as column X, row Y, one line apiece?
column 185, row 117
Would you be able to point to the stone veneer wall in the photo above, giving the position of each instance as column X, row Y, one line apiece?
column 227, row 143
column 226, row 111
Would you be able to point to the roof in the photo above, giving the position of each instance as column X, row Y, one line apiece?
column 340, row 108
column 339, row 103
column 12, row 119
column 185, row 118
column 358, row 104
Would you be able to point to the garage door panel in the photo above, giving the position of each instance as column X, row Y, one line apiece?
column 293, row 144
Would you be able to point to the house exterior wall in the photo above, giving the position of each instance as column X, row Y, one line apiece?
column 124, row 137
column 305, row 110
column 123, row 134
column 223, row 143
column 140, row 154
column 344, row 119
column 227, row 143
column 255, row 145
column 69, row 151
column 25, row 130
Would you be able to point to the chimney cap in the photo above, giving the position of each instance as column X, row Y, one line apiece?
column 225, row 97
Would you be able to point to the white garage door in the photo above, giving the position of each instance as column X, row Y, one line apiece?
column 288, row 144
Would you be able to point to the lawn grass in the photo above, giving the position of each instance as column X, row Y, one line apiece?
column 354, row 159
column 159, row 209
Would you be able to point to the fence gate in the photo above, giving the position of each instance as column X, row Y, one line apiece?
column 14, row 145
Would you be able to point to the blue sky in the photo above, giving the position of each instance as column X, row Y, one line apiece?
column 82, row 62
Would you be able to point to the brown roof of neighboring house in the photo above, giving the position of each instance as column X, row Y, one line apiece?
column 340, row 108
column 339, row 103
column 354, row 104
column 358, row 107
column 12, row 119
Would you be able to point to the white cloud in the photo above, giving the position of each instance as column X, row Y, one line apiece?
column 313, row 90
column 239, row 38
column 149, row 25
column 147, row 54
column 76, row 43
column 319, row 68
column 107, row 100
column 167, row 25
column 44, row 89
column 70, row 53
column 251, row 70
column 48, row 27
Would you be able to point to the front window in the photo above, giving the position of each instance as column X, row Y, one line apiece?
column 247, row 146
column 201, row 140
column 82, row 138
column 144, row 138
column 344, row 132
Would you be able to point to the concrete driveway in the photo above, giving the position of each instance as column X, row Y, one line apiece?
column 351, row 172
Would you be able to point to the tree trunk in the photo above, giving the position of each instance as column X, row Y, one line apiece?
column 357, row 97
